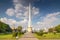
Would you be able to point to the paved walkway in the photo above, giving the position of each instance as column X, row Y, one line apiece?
column 28, row 36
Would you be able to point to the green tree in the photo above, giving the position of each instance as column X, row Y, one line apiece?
column 57, row 28
column 41, row 32
column 4, row 28
column 51, row 29
column 19, row 30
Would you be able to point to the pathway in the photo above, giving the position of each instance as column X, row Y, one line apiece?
column 28, row 36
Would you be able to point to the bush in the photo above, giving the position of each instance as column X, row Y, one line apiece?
column 57, row 28
column 45, row 32
column 54, row 32
column 40, row 33
column 15, row 34
column 51, row 29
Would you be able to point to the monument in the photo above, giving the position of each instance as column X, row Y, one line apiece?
column 29, row 29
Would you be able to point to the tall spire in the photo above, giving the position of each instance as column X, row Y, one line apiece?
column 29, row 22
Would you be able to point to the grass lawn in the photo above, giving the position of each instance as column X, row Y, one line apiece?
column 49, row 36
column 7, row 37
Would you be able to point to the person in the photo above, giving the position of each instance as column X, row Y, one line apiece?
column 17, row 37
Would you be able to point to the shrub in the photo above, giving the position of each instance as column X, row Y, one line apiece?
column 15, row 34
column 40, row 33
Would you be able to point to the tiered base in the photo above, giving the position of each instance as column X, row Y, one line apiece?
column 29, row 29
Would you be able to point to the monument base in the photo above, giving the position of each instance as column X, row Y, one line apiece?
column 29, row 29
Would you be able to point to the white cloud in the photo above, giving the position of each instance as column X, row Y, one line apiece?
column 49, row 20
column 10, row 12
column 8, row 21
column 19, row 15
column 53, row 14
column 15, row 1
column 21, row 10
column 24, row 21
column 14, row 23
column 35, row 11
column 3, row 19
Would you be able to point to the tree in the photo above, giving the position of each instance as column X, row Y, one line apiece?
column 4, row 28
column 19, row 28
column 57, row 28
column 17, row 31
column 51, row 29
column 41, row 32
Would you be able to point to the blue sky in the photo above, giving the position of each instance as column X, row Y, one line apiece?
column 45, row 13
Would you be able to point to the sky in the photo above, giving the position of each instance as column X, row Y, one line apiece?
column 45, row 13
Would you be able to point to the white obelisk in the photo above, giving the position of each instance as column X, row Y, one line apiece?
column 29, row 22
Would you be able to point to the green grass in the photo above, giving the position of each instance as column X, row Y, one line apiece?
column 7, row 37
column 51, row 35
column 48, row 36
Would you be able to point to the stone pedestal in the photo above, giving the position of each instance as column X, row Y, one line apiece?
column 29, row 29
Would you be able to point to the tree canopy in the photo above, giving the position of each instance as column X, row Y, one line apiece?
column 19, row 28
column 57, row 28
column 4, row 27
